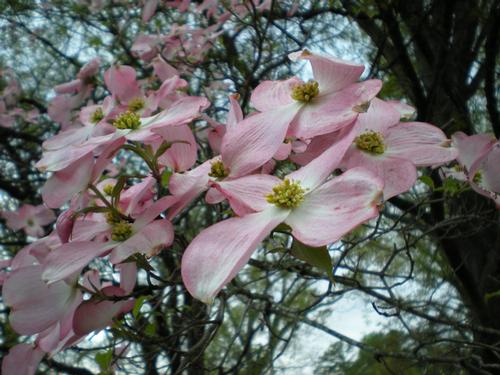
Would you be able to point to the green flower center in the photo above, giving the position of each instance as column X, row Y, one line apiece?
column 477, row 177
column 97, row 116
column 305, row 92
column 108, row 189
column 218, row 170
column 288, row 194
column 121, row 231
column 112, row 218
column 136, row 104
column 372, row 142
column 127, row 120
column 30, row 222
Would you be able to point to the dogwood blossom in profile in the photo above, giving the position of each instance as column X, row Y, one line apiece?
column 479, row 160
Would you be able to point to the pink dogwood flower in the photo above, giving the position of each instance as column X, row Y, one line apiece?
column 392, row 150
column 30, row 218
column 318, row 212
column 297, row 109
column 146, row 235
column 73, row 176
column 34, row 305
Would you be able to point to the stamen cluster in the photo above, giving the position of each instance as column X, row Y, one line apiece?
column 477, row 177
column 305, row 92
column 108, row 189
column 136, row 104
column 127, row 120
column 97, row 116
column 288, row 194
column 218, row 170
column 371, row 141
column 121, row 231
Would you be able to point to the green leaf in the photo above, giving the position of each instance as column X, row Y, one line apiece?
column 282, row 228
column 491, row 295
column 451, row 186
column 315, row 256
column 428, row 181
column 103, row 359
column 137, row 306
column 165, row 177
column 150, row 329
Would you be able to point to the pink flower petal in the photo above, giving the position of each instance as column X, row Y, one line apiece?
column 214, row 196
column 248, row 191
column 217, row 254
column 121, row 82
column 330, row 112
column 49, row 339
column 181, row 155
column 235, row 114
column 162, row 69
column 305, row 153
column 64, row 225
column 71, row 87
column 128, row 276
column 405, row 111
column 379, row 117
column 95, row 315
column 256, row 139
column 23, row 359
column 89, row 69
column 270, row 95
column 70, row 258
column 149, row 241
column 181, row 112
column 181, row 183
column 336, row 208
column 135, row 199
column 471, row 148
column 489, row 168
column 314, row 173
column 423, row 144
column 398, row 175
column 35, row 306
column 332, row 74
column 283, row 151
column 154, row 211
column 187, row 186
column 58, row 160
column 64, row 184
column 149, row 10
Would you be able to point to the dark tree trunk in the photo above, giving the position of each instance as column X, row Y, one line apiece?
column 443, row 53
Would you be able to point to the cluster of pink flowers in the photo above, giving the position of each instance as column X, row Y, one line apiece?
column 189, row 43
column 332, row 123
column 10, row 110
